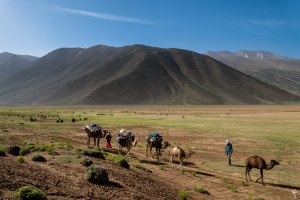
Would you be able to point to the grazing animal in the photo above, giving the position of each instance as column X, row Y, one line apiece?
column 157, row 144
column 179, row 152
column 128, row 141
column 259, row 163
column 95, row 133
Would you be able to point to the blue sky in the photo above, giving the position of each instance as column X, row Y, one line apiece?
column 36, row 27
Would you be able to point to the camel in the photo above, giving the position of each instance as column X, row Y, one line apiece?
column 178, row 151
column 95, row 133
column 259, row 163
column 157, row 144
column 127, row 141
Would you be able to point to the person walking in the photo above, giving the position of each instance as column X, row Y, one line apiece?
column 108, row 141
column 228, row 150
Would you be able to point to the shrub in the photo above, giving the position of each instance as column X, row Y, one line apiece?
column 96, row 174
column 20, row 159
column 38, row 158
column 201, row 190
column 184, row 195
column 86, row 162
column 94, row 153
column 119, row 160
column 2, row 153
column 30, row 193
column 139, row 166
column 14, row 150
column 27, row 149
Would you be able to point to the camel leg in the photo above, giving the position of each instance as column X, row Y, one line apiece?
column 147, row 149
column 151, row 151
column 119, row 149
column 98, row 141
column 128, row 153
column 88, row 142
column 157, row 154
column 261, row 176
column 181, row 161
column 171, row 161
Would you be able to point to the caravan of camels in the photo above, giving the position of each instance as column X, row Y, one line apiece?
column 126, row 139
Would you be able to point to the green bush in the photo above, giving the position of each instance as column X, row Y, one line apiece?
column 86, row 162
column 26, row 149
column 94, row 153
column 2, row 153
column 118, row 160
column 184, row 195
column 20, row 159
column 96, row 174
column 30, row 193
column 38, row 158
column 14, row 150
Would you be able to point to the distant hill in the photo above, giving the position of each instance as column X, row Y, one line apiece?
column 277, row 70
column 135, row 74
column 12, row 63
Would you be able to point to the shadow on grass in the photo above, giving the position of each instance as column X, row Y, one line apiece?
column 284, row 186
column 243, row 166
column 201, row 173
column 152, row 162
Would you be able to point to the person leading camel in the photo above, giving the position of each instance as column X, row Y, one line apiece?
column 228, row 150
column 108, row 140
column 259, row 163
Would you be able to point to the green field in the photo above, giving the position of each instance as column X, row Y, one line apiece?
column 269, row 131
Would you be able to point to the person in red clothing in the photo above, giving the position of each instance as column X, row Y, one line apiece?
column 108, row 139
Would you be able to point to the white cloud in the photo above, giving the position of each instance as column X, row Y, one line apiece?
column 104, row 16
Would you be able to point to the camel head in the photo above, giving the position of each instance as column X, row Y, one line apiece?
column 165, row 145
column 136, row 139
column 271, row 164
column 274, row 162
column 189, row 154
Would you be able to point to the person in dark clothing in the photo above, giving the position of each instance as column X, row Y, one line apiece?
column 108, row 140
column 228, row 150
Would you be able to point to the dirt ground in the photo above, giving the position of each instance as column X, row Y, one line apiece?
column 66, row 180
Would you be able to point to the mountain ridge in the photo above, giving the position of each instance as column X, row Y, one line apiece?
column 135, row 74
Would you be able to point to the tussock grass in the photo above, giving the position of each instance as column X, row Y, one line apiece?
column 142, row 167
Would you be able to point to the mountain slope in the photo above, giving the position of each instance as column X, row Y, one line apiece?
column 277, row 70
column 135, row 75
column 12, row 63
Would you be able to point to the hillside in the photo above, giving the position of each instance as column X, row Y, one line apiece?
column 12, row 63
column 277, row 70
column 135, row 75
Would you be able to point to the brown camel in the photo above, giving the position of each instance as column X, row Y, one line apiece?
column 259, row 163
column 96, row 133
column 157, row 144
column 179, row 152
column 128, row 141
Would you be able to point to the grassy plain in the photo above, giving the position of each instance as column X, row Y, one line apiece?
column 270, row 131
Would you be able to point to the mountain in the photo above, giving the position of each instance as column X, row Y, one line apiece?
column 135, row 74
column 12, row 63
column 277, row 70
